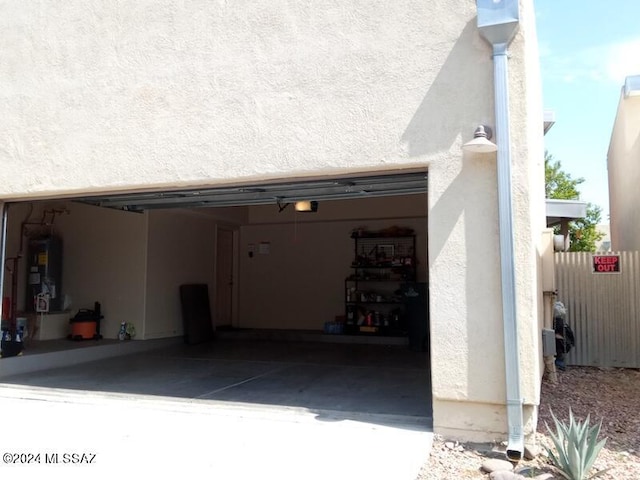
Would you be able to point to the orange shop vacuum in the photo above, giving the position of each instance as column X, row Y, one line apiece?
column 85, row 325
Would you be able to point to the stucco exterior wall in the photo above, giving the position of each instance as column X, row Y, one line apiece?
column 529, row 194
column 624, row 175
column 127, row 95
column 468, row 358
column 121, row 96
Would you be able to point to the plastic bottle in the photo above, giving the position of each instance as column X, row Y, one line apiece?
column 122, row 334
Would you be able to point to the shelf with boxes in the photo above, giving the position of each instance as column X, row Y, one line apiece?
column 374, row 301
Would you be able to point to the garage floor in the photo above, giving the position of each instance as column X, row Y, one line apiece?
column 345, row 379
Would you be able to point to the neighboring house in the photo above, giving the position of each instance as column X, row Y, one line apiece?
column 199, row 122
column 560, row 213
column 604, row 244
column 624, row 169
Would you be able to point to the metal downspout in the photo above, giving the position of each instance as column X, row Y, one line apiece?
column 515, row 446
column 3, row 251
column 498, row 21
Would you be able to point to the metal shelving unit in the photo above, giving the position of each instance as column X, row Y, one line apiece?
column 374, row 303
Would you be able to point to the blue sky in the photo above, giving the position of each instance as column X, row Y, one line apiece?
column 587, row 48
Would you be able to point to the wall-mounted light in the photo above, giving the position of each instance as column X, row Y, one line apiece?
column 306, row 206
column 481, row 141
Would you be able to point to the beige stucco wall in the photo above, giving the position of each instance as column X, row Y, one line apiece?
column 468, row 357
column 106, row 96
column 121, row 96
column 529, row 194
column 624, row 174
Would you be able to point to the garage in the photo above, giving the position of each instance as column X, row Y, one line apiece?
column 331, row 296
column 159, row 143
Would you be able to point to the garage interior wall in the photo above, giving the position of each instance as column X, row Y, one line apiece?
column 299, row 284
column 103, row 259
column 182, row 248
column 133, row 264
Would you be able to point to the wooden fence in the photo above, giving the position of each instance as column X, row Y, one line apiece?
column 603, row 309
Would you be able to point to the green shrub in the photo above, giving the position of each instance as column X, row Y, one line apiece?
column 577, row 447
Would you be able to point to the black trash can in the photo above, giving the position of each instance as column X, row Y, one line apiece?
column 417, row 314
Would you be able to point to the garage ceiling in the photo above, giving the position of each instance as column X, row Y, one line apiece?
column 272, row 193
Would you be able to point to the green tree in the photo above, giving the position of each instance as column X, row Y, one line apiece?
column 561, row 186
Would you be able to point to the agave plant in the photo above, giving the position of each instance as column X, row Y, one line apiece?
column 577, row 447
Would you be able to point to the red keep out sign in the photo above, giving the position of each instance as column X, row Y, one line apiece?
column 606, row 264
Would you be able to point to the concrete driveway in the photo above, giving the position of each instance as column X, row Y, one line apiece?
column 231, row 409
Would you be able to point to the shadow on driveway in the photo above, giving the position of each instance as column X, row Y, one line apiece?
column 375, row 383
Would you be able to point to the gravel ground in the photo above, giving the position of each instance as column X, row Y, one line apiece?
column 610, row 395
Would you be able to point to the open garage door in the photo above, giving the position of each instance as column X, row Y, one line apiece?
column 280, row 194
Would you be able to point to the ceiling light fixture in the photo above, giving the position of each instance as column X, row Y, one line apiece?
column 306, row 206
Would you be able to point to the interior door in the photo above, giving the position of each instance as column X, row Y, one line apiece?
column 224, row 277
